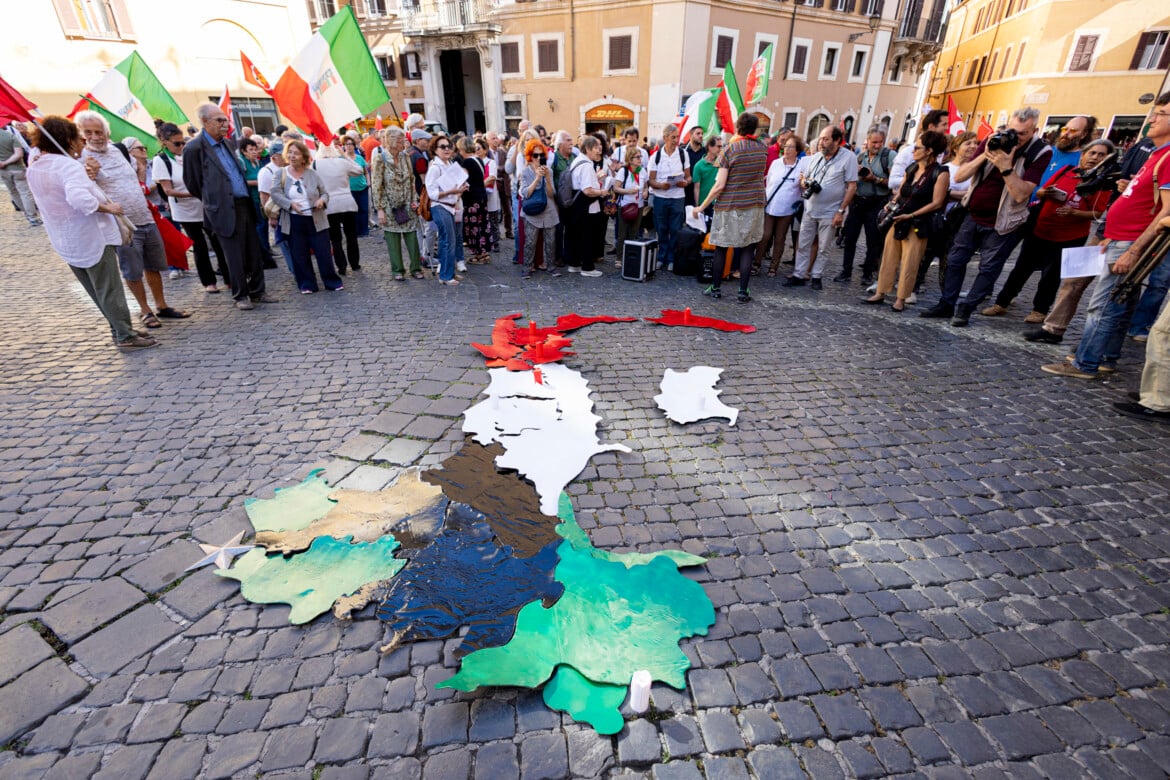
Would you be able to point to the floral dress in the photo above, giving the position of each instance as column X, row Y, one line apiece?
column 392, row 186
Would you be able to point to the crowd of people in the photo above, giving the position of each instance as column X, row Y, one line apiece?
column 443, row 202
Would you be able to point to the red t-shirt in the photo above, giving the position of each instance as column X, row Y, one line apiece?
column 1131, row 214
column 368, row 145
column 984, row 204
column 1051, row 226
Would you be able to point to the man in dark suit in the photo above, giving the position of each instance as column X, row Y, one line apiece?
column 213, row 173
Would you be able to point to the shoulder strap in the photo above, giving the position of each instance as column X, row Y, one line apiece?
column 1154, row 182
column 884, row 156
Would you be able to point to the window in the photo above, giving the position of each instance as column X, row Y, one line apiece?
column 416, row 108
column 1019, row 58
column 724, row 42
column 513, row 112
column 620, row 51
column 511, row 56
column 1152, row 52
column 376, row 7
column 896, row 70
column 385, row 64
column 991, row 70
column 1007, row 55
column 982, row 68
column 321, row 10
column 256, row 113
column 798, row 65
column 829, row 57
column 873, row 7
column 1082, row 55
column 546, row 53
column 979, row 20
column 410, row 66
column 763, row 41
column 791, row 118
column 815, row 125
column 860, row 59
column 974, row 68
column 97, row 19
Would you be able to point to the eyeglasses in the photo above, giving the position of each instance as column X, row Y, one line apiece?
column 1162, row 113
column 919, row 148
column 443, row 146
column 220, row 119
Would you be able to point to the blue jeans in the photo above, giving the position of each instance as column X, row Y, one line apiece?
column 1151, row 301
column 1106, row 320
column 450, row 241
column 668, row 221
column 994, row 250
column 282, row 245
column 363, row 213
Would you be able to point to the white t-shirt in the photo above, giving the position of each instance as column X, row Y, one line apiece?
column 182, row 209
column 627, row 179
column 956, row 186
column 297, row 195
column 666, row 166
column 782, row 203
column 834, row 174
column 585, row 176
column 268, row 174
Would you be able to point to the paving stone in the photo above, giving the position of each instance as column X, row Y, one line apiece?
column 860, row 762
column 233, row 754
column 158, row 722
column 889, row 708
column 128, row 763
column 798, row 720
column 20, row 650
column 242, row 716
column 491, row 719
column 711, row 688
column 682, row 736
column 77, row 616
column 842, row 715
column 497, row 760
column 82, row 765
column 819, row 763
column 925, row 745
column 751, row 684
column 108, row 650
column 589, row 753
column 720, row 732
column 394, row 734
column 759, row 728
column 893, row 755
column 638, row 743
column 36, row 694
column 453, row 764
column 288, row 748
column 676, row 770
column 180, row 759
column 543, row 757
column 56, row 733
column 342, row 739
column 1021, row 735
column 779, row 763
column 162, row 567
column 203, row 718
column 971, row 747
column 444, row 723
column 721, row 768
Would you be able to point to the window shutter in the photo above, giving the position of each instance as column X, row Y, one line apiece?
column 1146, row 39
column 122, row 19
column 1164, row 62
column 391, row 75
column 547, row 56
column 620, row 52
column 723, row 46
column 1082, row 57
column 70, row 24
column 800, row 59
column 510, row 57
column 309, row 5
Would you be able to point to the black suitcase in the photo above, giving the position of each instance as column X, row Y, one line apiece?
column 687, row 248
column 640, row 259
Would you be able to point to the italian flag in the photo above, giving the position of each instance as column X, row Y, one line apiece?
column 728, row 104
column 756, row 85
column 131, row 97
column 333, row 81
column 700, row 112
column 120, row 129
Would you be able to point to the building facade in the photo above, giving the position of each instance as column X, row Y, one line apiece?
column 609, row 64
column 1064, row 57
column 56, row 50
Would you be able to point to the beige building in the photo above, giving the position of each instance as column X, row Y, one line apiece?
column 1064, row 57
column 56, row 50
column 590, row 64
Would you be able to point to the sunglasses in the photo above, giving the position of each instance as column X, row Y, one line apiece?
column 300, row 189
column 179, row 143
column 443, row 146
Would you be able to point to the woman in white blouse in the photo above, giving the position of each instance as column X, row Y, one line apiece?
column 782, row 191
column 81, row 224
column 585, row 221
column 446, row 182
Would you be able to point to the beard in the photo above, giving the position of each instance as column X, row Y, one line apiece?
column 1067, row 143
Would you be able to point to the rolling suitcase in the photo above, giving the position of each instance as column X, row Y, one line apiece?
column 639, row 259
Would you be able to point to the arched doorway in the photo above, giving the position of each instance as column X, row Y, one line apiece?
column 816, row 124
column 612, row 115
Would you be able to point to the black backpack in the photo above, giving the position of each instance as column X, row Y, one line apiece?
column 170, row 169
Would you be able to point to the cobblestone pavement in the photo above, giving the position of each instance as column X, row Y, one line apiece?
column 927, row 557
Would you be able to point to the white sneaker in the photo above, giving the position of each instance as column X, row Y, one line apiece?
column 872, row 288
column 911, row 299
column 461, row 267
column 573, row 269
column 175, row 273
column 591, row 274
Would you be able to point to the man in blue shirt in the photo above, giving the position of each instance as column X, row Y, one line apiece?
column 1066, row 152
column 213, row 173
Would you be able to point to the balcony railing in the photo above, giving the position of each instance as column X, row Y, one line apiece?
column 914, row 26
column 446, row 16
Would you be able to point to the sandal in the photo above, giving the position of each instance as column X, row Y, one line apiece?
column 173, row 314
column 418, row 275
column 399, row 278
column 149, row 320
column 771, row 274
column 211, row 288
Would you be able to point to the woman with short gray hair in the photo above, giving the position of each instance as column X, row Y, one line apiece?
column 395, row 201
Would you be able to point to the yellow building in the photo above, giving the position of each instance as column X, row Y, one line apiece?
column 56, row 50
column 608, row 64
column 1107, row 58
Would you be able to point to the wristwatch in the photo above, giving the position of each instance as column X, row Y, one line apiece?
column 1005, row 172
column 840, row 211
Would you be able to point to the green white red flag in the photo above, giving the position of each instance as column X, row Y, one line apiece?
column 120, row 129
column 700, row 112
column 131, row 92
column 729, row 103
column 756, row 85
column 333, row 81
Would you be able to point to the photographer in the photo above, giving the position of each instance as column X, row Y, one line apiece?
column 873, row 192
column 828, row 184
column 1006, row 169
column 1069, row 202
column 1130, row 226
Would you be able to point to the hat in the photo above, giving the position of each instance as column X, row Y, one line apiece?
column 419, row 135
column 276, row 147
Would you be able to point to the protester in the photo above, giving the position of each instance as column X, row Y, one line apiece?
column 1063, row 222
column 670, row 177
column 335, row 172
column 213, row 173
column 185, row 208
column 705, row 171
column 541, row 226
column 873, row 192
column 498, row 152
column 303, row 199
column 585, row 232
column 420, row 161
column 80, row 222
column 264, row 179
column 695, row 150
column 921, row 197
column 144, row 258
column 564, row 153
column 446, row 209
column 738, row 196
column 1131, row 224
column 935, row 121
column 396, row 202
column 476, row 227
column 630, row 185
column 1001, row 185
column 828, row 182
column 12, row 171
column 359, row 186
column 782, row 195
column 250, row 156
column 1153, row 402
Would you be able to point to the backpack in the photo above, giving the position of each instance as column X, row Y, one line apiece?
column 682, row 158
column 566, row 195
column 170, row 170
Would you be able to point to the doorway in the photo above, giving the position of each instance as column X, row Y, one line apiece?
column 462, row 90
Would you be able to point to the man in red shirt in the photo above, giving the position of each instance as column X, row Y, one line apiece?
column 1131, row 224
column 1154, row 400
column 1063, row 223
column 997, row 209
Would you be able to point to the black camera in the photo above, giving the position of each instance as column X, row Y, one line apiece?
column 1003, row 141
column 811, row 188
column 887, row 214
column 1101, row 177
column 862, row 172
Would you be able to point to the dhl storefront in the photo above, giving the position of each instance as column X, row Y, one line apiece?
column 610, row 117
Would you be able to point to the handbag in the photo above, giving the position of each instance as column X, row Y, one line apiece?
column 424, row 205
column 272, row 208
column 125, row 229
column 610, row 206
column 401, row 215
column 536, row 203
column 631, row 212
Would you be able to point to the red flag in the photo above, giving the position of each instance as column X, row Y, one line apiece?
column 252, row 75
column 378, row 123
column 225, row 105
column 955, row 123
column 81, row 105
column 984, row 130
column 14, row 105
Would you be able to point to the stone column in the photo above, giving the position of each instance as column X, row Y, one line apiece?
column 493, row 88
column 432, row 82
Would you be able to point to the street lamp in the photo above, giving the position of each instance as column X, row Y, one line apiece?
column 875, row 22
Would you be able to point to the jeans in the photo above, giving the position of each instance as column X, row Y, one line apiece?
column 450, row 241
column 994, row 250
column 669, row 214
column 281, row 241
column 1150, row 303
column 363, row 213
column 863, row 214
column 303, row 236
column 1106, row 320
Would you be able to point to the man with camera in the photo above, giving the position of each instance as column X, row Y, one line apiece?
column 1130, row 226
column 873, row 192
column 827, row 185
column 1006, row 168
